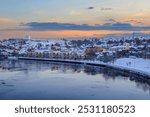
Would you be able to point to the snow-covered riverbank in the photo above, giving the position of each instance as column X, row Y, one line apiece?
column 137, row 65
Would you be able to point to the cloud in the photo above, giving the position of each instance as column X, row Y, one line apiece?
column 56, row 26
column 136, row 22
column 118, row 24
column 111, row 20
column 90, row 8
column 70, row 26
column 140, row 23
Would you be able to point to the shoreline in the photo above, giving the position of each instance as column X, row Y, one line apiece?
column 136, row 72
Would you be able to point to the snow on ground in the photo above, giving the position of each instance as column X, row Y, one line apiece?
column 137, row 65
column 134, row 63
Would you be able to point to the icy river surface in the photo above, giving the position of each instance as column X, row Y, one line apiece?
column 35, row 80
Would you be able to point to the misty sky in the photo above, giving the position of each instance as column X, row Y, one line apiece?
column 72, row 15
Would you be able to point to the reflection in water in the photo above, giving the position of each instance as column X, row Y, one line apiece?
column 18, row 73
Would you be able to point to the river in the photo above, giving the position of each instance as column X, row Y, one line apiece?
column 42, row 80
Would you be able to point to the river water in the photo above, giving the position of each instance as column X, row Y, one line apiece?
column 36, row 80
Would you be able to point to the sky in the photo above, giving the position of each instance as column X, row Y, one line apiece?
column 68, row 18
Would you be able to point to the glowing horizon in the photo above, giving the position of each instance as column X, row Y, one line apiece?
column 60, row 34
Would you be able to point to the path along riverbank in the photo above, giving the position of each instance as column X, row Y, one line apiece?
column 136, row 71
